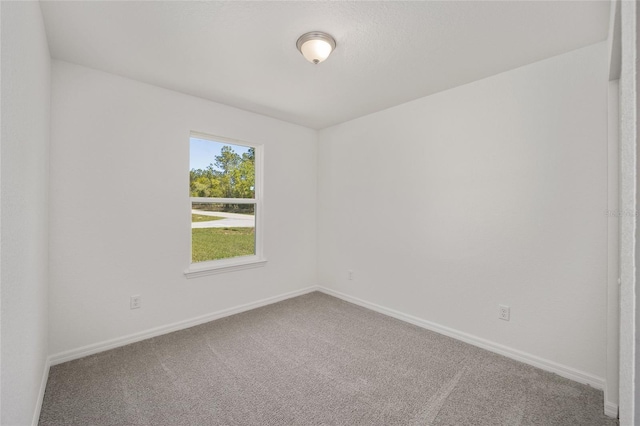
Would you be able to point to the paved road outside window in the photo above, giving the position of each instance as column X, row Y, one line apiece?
column 231, row 220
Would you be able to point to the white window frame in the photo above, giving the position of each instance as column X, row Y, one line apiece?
column 257, row 260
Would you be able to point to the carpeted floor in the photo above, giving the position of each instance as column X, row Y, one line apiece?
column 311, row 360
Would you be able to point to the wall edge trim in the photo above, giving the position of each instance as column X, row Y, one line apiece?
column 527, row 358
column 611, row 409
column 106, row 345
column 43, row 387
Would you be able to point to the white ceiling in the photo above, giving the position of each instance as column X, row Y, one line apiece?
column 243, row 54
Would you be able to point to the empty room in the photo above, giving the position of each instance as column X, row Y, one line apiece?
column 318, row 213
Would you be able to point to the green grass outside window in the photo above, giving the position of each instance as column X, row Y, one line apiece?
column 221, row 243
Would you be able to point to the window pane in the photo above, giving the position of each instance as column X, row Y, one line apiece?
column 220, row 231
column 221, row 170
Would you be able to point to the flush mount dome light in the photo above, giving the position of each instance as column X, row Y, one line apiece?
column 316, row 46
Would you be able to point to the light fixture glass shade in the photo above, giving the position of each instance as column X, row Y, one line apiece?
column 316, row 51
column 316, row 46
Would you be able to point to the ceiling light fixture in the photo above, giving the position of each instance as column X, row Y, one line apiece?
column 316, row 46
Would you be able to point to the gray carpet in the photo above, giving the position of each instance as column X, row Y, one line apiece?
column 311, row 360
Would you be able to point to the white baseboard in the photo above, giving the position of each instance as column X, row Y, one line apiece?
column 180, row 325
column 43, row 386
column 611, row 409
column 544, row 364
column 561, row 370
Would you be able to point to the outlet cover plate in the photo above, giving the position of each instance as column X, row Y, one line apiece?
column 504, row 312
column 135, row 302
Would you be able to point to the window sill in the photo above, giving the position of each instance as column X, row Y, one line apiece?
column 202, row 269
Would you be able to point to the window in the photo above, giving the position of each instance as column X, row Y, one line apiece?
column 226, row 205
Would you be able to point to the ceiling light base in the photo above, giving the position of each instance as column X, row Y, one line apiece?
column 316, row 46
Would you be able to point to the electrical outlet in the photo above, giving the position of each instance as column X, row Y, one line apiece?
column 504, row 312
column 135, row 302
column 350, row 275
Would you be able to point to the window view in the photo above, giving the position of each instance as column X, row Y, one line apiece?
column 223, row 200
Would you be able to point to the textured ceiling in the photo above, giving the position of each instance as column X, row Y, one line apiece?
column 243, row 54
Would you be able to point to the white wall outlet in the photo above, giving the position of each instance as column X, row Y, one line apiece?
column 135, row 302
column 350, row 275
column 504, row 312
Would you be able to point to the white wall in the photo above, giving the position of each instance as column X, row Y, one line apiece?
column 629, row 208
column 490, row 193
column 26, row 88
column 120, row 212
column 635, row 119
column 636, row 355
column 613, row 250
column 612, row 377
